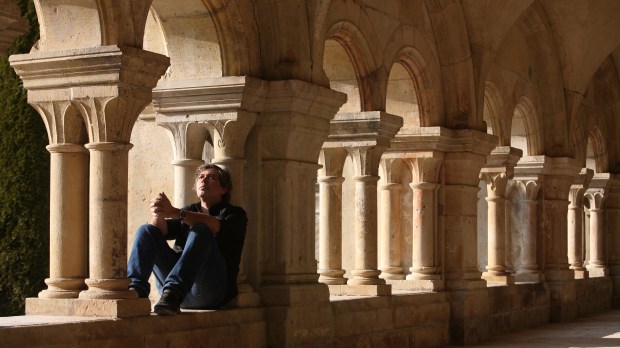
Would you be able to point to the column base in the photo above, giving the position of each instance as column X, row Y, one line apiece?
column 598, row 272
column 498, row 279
column 88, row 307
column 418, row 284
column 582, row 274
column 360, row 290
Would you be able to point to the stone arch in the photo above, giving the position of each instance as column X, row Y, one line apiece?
column 450, row 31
column 201, row 39
column 94, row 23
column 493, row 111
column 532, row 143
column 360, row 53
column 596, row 151
column 546, row 75
column 422, row 72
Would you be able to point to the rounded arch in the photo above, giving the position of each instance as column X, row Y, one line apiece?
column 421, row 63
column 201, row 38
column 525, row 130
column 360, row 53
column 493, row 109
column 545, row 74
column 451, row 39
column 596, row 151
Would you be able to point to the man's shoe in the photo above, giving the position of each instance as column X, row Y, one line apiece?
column 169, row 303
column 141, row 293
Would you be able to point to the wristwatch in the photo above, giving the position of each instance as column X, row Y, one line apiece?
column 182, row 214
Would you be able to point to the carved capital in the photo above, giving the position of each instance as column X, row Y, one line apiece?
column 528, row 189
column 596, row 198
column 62, row 120
column 366, row 160
column 332, row 161
column 425, row 169
column 496, row 183
column 188, row 139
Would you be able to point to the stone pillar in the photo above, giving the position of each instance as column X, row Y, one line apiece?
column 390, row 239
column 556, row 175
column 282, row 165
column 226, row 109
column 68, row 221
column 365, row 136
column 330, row 216
column 596, row 194
column 498, row 169
column 108, row 86
column 426, row 271
column 575, row 223
column 461, row 168
column 612, row 207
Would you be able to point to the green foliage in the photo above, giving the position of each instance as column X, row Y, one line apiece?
column 24, row 184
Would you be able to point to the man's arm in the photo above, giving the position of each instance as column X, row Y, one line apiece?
column 163, row 209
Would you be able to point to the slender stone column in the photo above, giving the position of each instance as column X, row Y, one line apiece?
column 366, row 271
column 575, row 223
column 597, row 265
column 330, row 216
column 68, row 221
column 426, row 260
column 496, row 253
column 108, row 222
column 528, row 270
column 184, row 177
column 389, row 223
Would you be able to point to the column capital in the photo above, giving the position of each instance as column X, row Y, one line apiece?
column 496, row 183
column 109, row 85
column 502, row 159
column 528, row 188
column 227, row 106
column 332, row 161
column 425, row 167
column 579, row 187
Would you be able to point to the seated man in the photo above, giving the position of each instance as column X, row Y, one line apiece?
column 200, row 272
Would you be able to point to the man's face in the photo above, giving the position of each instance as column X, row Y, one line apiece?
column 208, row 186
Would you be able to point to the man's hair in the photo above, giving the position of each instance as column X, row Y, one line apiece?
column 225, row 179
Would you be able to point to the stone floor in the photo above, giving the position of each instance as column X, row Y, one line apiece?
column 597, row 330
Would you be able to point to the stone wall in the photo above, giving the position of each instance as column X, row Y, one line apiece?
column 517, row 307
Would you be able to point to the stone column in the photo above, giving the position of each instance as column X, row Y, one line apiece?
column 556, row 175
column 496, row 229
column 366, row 164
column 498, row 169
column 330, row 216
column 365, row 136
column 612, row 207
column 390, row 239
column 226, row 109
column 68, row 199
column 596, row 194
column 426, row 256
column 68, row 221
column 109, row 86
column 575, row 223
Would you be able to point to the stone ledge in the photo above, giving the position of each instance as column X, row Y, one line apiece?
column 88, row 307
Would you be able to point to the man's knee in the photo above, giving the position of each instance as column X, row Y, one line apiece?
column 148, row 230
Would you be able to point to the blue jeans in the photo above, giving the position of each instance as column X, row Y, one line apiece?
column 198, row 272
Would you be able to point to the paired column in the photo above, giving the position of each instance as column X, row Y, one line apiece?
column 612, row 207
column 528, row 270
column 365, row 136
column 575, row 223
column 330, row 216
column 109, row 103
column 226, row 110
